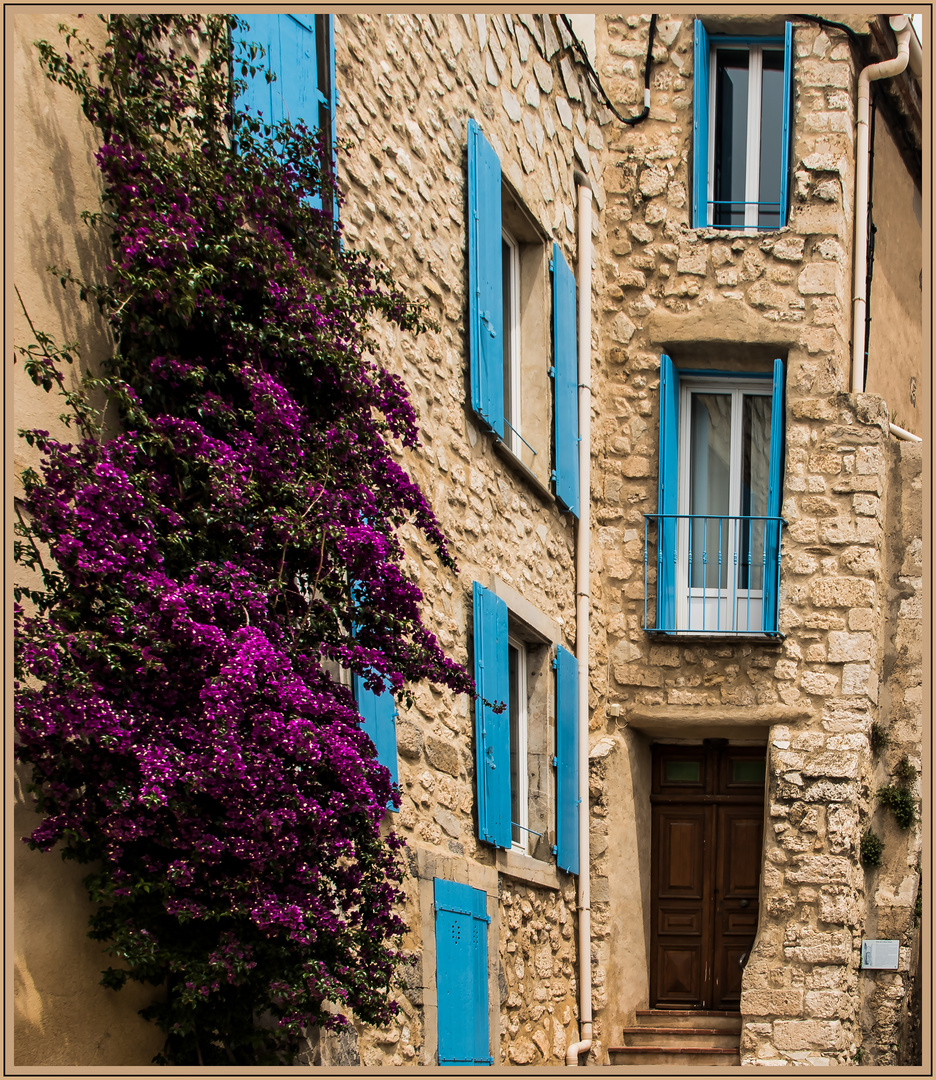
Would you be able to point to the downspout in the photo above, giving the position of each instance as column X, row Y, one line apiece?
column 900, row 24
column 583, row 586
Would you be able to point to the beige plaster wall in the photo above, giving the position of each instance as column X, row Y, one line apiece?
column 62, row 1016
column 895, row 342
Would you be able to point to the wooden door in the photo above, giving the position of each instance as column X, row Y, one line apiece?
column 707, row 838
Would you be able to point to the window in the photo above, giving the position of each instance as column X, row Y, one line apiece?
column 509, row 329
column 718, row 525
column 300, row 50
column 461, row 924
column 517, row 747
column 741, row 130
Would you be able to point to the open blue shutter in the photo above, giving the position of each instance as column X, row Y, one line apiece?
column 700, row 127
column 774, row 495
column 567, row 737
column 787, row 107
column 668, row 495
column 461, row 923
column 492, row 730
column 485, row 285
column 565, row 387
column 378, row 713
column 304, row 69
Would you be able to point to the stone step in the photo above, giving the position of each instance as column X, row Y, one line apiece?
column 688, row 1018
column 686, row 1057
column 644, row 1035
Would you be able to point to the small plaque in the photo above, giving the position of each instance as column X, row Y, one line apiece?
column 881, row 953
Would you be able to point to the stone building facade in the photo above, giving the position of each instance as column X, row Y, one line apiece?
column 787, row 730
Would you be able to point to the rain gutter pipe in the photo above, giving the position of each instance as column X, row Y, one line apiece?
column 900, row 24
column 583, row 587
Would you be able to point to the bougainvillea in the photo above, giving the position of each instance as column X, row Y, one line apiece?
column 206, row 566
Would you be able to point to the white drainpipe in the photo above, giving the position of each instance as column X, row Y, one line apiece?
column 582, row 579
column 900, row 24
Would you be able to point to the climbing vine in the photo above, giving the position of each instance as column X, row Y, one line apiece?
column 202, row 568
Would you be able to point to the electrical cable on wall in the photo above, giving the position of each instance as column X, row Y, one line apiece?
column 580, row 48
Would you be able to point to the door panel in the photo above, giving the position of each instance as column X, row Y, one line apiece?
column 681, row 929
column 707, row 840
column 739, row 839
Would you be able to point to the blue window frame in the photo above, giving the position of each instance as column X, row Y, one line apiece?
column 461, row 924
column 300, row 50
column 741, row 130
column 717, row 527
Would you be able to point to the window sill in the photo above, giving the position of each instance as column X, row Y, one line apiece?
column 771, row 638
column 517, row 466
column 526, row 868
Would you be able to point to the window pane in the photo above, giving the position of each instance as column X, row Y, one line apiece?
column 771, row 137
column 513, row 671
column 755, row 482
column 682, row 772
column 746, row 771
column 507, row 280
column 709, row 490
column 731, row 107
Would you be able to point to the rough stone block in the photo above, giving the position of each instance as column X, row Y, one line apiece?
column 808, row 1035
column 819, row 683
column 772, row 1003
column 845, row 647
column 842, row 592
column 820, row 870
column 819, row 279
column 443, row 755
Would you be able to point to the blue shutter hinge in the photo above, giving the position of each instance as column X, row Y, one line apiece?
column 555, row 761
column 555, row 849
column 552, row 372
column 552, row 265
column 553, row 476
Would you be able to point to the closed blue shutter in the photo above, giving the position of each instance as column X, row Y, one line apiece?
column 485, row 286
column 567, row 738
column 461, row 923
column 700, row 127
column 565, row 388
column 668, row 495
column 787, row 107
column 304, row 69
column 492, row 730
column 774, row 493
column 378, row 714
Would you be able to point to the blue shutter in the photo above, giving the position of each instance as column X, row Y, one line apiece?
column 567, row 738
column 786, row 134
column 774, row 494
column 485, row 286
column 461, row 923
column 700, row 127
column 304, row 69
column 668, row 495
column 492, row 730
column 378, row 714
column 565, row 387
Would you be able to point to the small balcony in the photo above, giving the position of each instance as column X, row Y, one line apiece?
column 709, row 575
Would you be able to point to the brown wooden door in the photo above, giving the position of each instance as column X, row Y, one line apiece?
column 707, row 835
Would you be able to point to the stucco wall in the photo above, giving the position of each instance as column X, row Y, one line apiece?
column 895, row 343
column 62, row 1016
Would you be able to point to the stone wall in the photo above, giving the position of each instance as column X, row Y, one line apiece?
column 408, row 84
column 735, row 301
column 537, row 955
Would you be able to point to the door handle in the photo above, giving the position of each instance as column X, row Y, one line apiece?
column 745, row 902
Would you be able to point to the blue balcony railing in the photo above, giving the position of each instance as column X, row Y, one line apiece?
column 711, row 574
